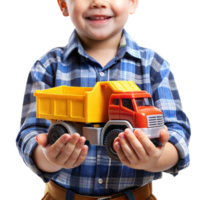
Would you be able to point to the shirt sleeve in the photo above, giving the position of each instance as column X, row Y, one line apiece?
column 39, row 78
column 166, row 98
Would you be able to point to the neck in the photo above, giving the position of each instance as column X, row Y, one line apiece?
column 110, row 43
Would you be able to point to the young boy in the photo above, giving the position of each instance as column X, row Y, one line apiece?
column 101, row 50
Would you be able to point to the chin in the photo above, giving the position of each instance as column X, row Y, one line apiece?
column 100, row 35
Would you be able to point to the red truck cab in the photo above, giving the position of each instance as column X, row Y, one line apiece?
column 137, row 108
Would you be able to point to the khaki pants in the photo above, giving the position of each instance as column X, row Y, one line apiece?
column 55, row 192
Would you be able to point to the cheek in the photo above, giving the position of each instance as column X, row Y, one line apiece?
column 121, row 10
column 76, row 13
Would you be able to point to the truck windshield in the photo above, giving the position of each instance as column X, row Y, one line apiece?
column 144, row 102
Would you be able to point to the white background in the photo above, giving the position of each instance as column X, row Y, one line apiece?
column 168, row 18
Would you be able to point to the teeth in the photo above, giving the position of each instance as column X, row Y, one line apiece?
column 98, row 18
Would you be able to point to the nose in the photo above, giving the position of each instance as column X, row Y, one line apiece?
column 99, row 4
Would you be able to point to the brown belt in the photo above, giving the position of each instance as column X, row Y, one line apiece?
column 55, row 192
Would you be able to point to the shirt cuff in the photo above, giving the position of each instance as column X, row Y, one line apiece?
column 181, row 144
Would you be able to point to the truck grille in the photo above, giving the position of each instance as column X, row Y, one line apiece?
column 155, row 120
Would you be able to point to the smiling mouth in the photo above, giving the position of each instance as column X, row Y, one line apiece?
column 98, row 18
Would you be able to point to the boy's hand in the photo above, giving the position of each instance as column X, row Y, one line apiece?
column 136, row 150
column 67, row 152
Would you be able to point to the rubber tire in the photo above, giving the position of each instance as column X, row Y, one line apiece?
column 108, row 142
column 56, row 132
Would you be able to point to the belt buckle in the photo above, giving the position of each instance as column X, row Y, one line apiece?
column 104, row 198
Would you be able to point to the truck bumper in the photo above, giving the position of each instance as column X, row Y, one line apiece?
column 152, row 132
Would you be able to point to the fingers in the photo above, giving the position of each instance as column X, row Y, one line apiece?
column 74, row 151
column 82, row 156
column 148, row 146
column 55, row 149
column 124, row 149
column 116, row 141
column 68, row 151
column 137, row 145
column 131, row 147
column 120, row 153
column 42, row 139
column 137, row 151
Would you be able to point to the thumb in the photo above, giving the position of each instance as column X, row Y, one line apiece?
column 42, row 139
column 164, row 137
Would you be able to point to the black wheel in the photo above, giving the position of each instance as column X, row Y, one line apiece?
column 156, row 142
column 56, row 132
column 108, row 142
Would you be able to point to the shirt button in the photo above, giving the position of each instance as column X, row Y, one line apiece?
column 101, row 74
column 100, row 181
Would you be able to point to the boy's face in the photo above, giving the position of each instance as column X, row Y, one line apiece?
column 98, row 19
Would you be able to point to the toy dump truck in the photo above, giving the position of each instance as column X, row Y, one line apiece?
column 99, row 113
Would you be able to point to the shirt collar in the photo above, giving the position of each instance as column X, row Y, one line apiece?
column 127, row 45
column 74, row 43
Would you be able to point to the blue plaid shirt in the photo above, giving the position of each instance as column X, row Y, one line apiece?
column 72, row 66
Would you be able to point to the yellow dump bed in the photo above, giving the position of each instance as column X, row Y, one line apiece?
column 80, row 104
